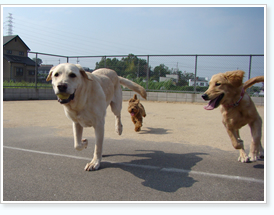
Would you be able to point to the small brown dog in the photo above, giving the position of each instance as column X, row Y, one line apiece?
column 137, row 112
column 228, row 90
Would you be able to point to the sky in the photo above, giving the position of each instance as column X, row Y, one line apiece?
column 142, row 30
column 93, row 31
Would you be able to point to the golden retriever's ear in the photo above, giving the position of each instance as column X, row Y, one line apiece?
column 235, row 77
column 50, row 74
column 83, row 72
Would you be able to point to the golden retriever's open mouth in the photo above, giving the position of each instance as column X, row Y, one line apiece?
column 214, row 103
column 66, row 100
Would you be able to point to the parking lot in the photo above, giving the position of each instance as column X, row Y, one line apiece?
column 182, row 154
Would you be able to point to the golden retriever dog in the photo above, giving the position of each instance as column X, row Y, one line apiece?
column 137, row 112
column 85, row 97
column 228, row 90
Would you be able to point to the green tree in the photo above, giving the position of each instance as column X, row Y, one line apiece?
column 160, row 71
column 184, row 78
column 130, row 66
column 38, row 61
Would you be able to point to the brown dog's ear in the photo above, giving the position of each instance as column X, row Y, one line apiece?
column 50, row 74
column 135, row 96
column 83, row 72
column 235, row 77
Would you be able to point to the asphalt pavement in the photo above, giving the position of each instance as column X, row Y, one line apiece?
column 39, row 165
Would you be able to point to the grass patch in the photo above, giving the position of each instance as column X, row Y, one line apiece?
column 23, row 84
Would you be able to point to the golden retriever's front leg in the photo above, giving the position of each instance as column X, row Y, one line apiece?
column 238, row 144
column 79, row 143
column 97, row 157
column 256, row 149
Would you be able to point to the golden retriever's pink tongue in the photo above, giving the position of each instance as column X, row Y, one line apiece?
column 211, row 104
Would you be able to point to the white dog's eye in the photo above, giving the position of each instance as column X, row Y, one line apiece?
column 56, row 74
column 72, row 75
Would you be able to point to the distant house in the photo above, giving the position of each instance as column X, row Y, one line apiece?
column 200, row 81
column 174, row 78
column 43, row 72
column 17, row 66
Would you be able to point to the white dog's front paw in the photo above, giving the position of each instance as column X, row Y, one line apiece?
column 83, row 145
column 93, row 165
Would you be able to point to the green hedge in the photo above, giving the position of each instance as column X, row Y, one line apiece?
column 23, row 84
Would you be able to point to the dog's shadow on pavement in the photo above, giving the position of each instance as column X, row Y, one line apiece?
column 161, row 171
column 149, row 130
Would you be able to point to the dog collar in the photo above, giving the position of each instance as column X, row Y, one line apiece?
column 237, row 103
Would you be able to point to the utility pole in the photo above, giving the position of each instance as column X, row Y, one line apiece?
column 10, row 26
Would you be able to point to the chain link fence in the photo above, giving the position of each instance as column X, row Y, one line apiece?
column 169, row 73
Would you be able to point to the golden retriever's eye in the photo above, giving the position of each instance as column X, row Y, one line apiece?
column 56, row 74
column 72, row 75
column 217, row 84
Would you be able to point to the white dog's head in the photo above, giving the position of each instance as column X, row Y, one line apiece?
column 66, row 78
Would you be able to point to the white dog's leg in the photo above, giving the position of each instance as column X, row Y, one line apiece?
column 79, row 144
column 118, row 125
column 97, row 157
column 116, row 109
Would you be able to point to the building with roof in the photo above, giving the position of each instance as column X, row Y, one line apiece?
column 43, row 72
column 17, row 66
column 200, row 81
column 172, row 77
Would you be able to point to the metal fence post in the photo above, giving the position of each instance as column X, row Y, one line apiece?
column 195, row 74
column 249, row 71
column 147, row 71
column 36, row 70
column 67, row 59
column 138, row 68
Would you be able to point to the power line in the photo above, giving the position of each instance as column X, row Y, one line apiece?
column 94, row 44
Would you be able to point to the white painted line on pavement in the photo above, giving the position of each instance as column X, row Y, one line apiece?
column 174, row 170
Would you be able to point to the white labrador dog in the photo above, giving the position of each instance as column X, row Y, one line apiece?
column 85, row 97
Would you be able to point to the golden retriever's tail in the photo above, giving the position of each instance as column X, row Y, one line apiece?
column 133, row 86
column 253, row 81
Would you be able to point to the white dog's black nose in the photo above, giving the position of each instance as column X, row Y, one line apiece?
column 62, row 88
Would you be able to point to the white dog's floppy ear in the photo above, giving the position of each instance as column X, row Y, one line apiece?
column 50, row 74
column 83, row 72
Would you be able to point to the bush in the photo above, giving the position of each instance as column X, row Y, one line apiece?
column 23, row 84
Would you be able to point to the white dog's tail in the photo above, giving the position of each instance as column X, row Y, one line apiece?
column 133, row 86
